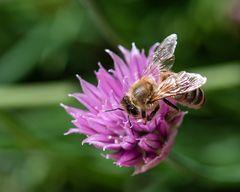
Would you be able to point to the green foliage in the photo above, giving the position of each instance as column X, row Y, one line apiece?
column 45, row 43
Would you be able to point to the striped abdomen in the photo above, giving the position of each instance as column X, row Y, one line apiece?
column 194, row 99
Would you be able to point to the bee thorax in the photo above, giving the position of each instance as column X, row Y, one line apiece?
column 141, row 93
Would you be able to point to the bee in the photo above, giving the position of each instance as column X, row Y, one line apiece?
column 159, row 83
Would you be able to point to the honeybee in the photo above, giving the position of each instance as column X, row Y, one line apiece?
column 159, row 83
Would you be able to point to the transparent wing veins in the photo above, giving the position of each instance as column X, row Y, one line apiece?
column 179, row 83
column 164, row 54
column 163, row 57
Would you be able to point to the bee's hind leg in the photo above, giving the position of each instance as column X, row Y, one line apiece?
column 153, row 113
column 170, row 104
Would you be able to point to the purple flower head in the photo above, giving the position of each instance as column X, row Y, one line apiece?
column 127, row 140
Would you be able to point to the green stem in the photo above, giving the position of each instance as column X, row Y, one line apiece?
column 33, row 95
column 99, row 20
column 227, row 175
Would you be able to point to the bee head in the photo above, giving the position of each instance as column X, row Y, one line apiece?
column 129, row 106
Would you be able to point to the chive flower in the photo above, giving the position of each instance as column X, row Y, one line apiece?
column 126, row 140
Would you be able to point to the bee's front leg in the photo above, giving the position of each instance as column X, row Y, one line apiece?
column 143, row 116
column 153, row 113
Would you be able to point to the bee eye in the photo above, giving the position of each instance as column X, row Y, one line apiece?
column 133, row 110
column 130, row 108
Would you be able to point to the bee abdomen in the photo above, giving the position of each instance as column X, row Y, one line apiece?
column 193, row 99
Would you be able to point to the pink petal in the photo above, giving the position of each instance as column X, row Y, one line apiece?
column 129, row 158
column 163, row 155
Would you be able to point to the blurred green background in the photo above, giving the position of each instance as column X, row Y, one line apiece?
column 43, row 44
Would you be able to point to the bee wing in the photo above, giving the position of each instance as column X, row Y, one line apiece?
column 179, row 83
column 162, row 58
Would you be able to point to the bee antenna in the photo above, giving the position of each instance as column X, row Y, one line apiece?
column 108, row 110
